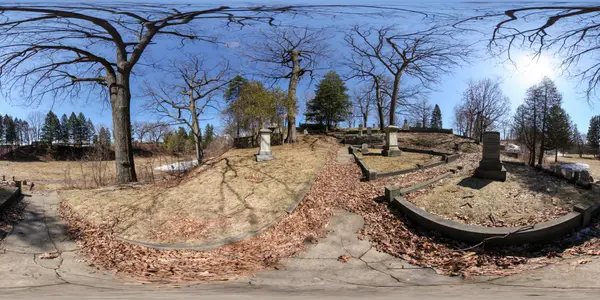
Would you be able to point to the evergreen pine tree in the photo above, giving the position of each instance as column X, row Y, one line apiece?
column 73, row 128
column 331, row 103
column 436, row 118
column 91, row 131
column 559, row 131
column 81, row 131
column 51, row 128
column 209, row 135
column 593, row 135
column 63, row 136
column 10, row 135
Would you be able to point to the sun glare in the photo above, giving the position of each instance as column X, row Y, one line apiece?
column 531, row 70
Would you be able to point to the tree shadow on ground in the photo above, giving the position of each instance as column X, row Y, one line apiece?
column 31, row 226
column 540, row 182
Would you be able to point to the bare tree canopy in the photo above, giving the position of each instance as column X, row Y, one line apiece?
column 291, row 53
column 570, row 31
column 184, row 101
column 423, row 55
column 484, row 106
column 99, row 46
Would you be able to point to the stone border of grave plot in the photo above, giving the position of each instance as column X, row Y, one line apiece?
column 13, row 197
column 372, row 174
column 581, row 216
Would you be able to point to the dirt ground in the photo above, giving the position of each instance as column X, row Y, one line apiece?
column 436, row 141
column 234, row 195
column 374, row 160
column 79, row 174
column 526, row 197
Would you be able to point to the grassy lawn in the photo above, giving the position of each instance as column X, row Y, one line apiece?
column 374, row 160
column 233, row 195
column 70, row 174
column 526, row 197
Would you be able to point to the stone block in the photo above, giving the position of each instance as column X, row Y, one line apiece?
column 586, row 211
column 371, row 174
column 499, row 175
column 391, row 192
column 364, row 148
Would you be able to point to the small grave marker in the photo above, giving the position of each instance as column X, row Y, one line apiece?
column 264, row 153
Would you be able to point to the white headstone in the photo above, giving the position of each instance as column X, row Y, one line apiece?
column 265, row 146
column 391, row 142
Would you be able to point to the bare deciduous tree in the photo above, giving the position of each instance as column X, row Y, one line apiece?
column 419, row 112
column 290, row 54
column 364, row 98
column 98, row 45
column 569, row 30
column 185, row 101
column 424, row 55
column 36, row 122
column 483, row 107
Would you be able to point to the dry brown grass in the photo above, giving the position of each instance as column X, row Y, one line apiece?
column 374, row 160
column 436, row 141
column 80, row 174
column 526, row 197
column 233, row 195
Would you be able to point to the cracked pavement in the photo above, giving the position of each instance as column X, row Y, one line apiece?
column 316, row 273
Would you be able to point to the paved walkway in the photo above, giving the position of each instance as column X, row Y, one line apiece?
column 317, row 272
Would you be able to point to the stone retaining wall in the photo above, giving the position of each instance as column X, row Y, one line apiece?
column 371, row 174
column 536, row 233
column 13, row 197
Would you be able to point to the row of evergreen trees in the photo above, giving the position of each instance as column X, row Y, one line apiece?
column 182, row 141
column 13, row 131
column 75, row 129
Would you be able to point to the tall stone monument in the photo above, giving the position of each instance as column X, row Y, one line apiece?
column 391, row 142
column 265, row 146
column 490, row 167
column 405, row 127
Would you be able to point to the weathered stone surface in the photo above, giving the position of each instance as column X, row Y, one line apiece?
column 391, row 142
column 264, row 154
column 490, row 166
column 364, row 148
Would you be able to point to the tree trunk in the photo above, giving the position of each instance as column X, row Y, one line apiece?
column 556, row 155
column 380, row 112
column 394, row 99
column 196, row 129
column 120, row 99
column 291, row 115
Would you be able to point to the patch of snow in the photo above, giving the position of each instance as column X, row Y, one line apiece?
column 576, row 166
column 181, row 166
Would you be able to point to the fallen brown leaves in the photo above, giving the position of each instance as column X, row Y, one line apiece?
column 336, row 186
column 10, row 216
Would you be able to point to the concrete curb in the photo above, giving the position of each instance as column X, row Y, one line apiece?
column 392, row 192
column 535, row 233
column 371, row 174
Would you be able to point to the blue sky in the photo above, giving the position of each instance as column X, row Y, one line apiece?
column 446, row 95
